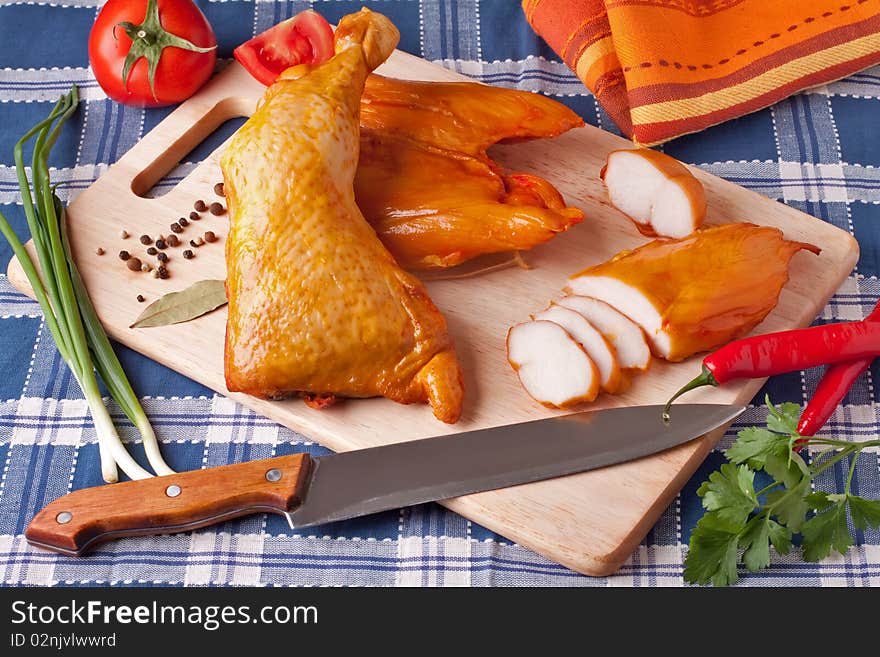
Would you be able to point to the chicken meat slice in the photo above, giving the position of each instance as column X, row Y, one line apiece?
column 622, row 333
column 552, row 367
column 660, row 194
column 316, row 304
column 591, row 341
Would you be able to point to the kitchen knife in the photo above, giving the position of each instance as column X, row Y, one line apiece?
column 311, row 491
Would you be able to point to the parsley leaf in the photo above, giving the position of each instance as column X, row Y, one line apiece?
column 780, row 537
column 818, row 500
column 783, row 419
column 741, row 523
column 754, row 444
column 730, row 493
column 826, row 530
column 784, row 468
column 762, row 531
column 864, row 512
column 756, row 541
column 789, row 505
column 712, row 555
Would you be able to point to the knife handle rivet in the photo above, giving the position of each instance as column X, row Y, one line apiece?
column 273, row 475
column 173, row 490
column 64, row 517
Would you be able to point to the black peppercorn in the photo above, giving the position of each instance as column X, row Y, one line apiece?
column 218, row 189
column 152, row 251
column 163, row 257
column 124, row 255
column 163, row 271
column 176, row 228
column 188, row 254
column 200, row 206
column 146, row 239
column 217, row 208
column 194, row 216
column 140, row 298
column 172, row 240
column 161, row 245
column 183, row 222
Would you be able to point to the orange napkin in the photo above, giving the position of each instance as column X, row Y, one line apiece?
column 664, row 68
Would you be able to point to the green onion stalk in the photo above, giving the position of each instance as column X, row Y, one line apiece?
column 67, row 308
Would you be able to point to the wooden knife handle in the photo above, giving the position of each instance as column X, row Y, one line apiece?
column 173, row 503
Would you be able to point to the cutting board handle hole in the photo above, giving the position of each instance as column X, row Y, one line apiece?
column 193, row 145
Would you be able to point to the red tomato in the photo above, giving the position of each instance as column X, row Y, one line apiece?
column 172, row 35
column 304, row 39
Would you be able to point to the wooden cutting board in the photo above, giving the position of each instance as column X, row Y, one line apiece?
column 590, row 522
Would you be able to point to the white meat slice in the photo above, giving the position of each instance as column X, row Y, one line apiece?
column 551, row 366
column 625, row 336
column 596, row 346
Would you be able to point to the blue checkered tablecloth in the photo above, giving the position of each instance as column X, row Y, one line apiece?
column 818, row 151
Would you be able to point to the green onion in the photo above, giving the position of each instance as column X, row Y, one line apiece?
column 68, row 311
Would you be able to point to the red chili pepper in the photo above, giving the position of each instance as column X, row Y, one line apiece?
column 832, row 389
column 786, row 351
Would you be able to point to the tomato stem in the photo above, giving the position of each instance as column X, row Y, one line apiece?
column 148, row 40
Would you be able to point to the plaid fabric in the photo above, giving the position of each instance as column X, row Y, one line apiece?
column 727, row 57
column 818, row 151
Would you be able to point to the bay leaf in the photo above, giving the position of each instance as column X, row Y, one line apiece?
column 176, row 307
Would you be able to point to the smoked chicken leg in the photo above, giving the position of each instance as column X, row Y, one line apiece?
column 426, row 184
column 316, row 304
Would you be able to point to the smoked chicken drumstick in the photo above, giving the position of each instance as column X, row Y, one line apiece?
column 316, row 303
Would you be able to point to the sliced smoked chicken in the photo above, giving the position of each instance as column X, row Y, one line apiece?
column 693, row 294
column 552, row 367
column 428, row 188
column 591, row 341
column 656, row 191
column 622, row 333
column 316, row 304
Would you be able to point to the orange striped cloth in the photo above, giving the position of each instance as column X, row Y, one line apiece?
column 664, row 68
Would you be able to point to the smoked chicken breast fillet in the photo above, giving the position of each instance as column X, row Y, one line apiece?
column 316, row 303
column 426, row 184
column 464, row 117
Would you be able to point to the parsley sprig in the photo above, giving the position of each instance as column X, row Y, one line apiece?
column 741, row 523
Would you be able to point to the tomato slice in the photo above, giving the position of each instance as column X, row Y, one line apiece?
column 304, row 39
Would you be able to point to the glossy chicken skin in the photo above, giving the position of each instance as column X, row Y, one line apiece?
column 424, row 180
column 434, row 210
column 695, row 293
column 464, row 117
column 316, row 303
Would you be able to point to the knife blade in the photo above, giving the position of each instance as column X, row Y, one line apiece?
column 310, row 491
